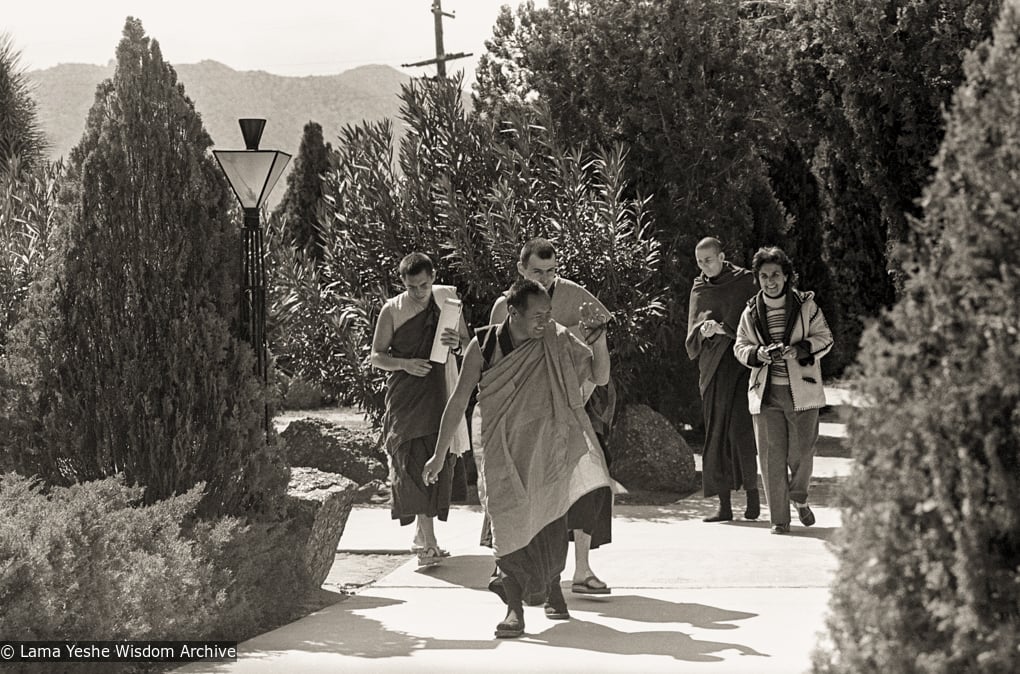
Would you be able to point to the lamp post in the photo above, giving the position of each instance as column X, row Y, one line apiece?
column 252, row 173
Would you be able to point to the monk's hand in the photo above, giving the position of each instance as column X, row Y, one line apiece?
column 592, row 318
column 450, row 338
column 430, row 475
column 593, row 322
column 417, row 367
column 710, row 328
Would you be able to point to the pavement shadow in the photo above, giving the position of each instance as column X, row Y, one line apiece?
column 639, row 608
column 796, row 531
column 821, row 533
column 366, row 637
column 472, row 571
column 469, row 571
column 362, row 637
column 597, row 638
column 691, row 508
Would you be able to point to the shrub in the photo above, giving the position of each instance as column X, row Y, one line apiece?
column 300, row 395
column 929, row 575
column 90, row 562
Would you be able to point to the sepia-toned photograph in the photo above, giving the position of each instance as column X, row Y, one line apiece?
column 580, row 336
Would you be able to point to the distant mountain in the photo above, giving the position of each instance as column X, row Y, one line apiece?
column 65, row 94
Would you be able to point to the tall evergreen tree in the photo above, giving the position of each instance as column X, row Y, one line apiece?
column 678, row 81
column 873, row 79
column 302, row 202
column 139, row 369
column 20, row 135
column 929, row 577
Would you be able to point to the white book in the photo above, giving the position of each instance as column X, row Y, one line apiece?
column 449, row 317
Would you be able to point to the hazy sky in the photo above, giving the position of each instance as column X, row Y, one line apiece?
column 285, row 37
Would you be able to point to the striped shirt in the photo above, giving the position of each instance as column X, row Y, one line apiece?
column 775, row 314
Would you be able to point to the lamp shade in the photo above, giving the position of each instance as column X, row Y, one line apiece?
column 252, row 173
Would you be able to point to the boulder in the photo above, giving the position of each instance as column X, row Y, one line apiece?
column 318, row 505
column 649, row 454
column 353, row 453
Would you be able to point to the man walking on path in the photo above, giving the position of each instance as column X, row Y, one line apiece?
column 539, row 451
column 717, row 300
column 416, row 392
column 590, row 520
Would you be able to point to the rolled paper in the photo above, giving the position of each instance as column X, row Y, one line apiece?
column 449, row 317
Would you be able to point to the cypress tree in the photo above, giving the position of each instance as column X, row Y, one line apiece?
column 301, row 203
column 139, row 368
column 929, row 579
column 888, row 69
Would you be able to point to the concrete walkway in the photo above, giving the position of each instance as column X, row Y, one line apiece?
column 687, row 596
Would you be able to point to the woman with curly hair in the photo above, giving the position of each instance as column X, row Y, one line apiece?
column 782, row 337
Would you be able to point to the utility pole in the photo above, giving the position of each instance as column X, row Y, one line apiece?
column 441, row 56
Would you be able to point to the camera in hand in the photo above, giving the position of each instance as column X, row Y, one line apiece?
column 775, row 351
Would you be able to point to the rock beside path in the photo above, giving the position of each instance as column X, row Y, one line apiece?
column 650, row 454
column 318, row 504
column 353, row 453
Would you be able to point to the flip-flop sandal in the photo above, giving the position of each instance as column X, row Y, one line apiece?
column 418, row 549
column 587, row 586
column 431, row 556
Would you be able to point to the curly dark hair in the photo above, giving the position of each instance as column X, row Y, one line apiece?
column 773, row 255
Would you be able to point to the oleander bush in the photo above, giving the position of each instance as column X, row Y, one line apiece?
column 929, row 574
column 28, row 212
column 21, row 139
column 469, row 192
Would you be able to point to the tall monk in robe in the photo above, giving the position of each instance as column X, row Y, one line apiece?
column 416, row 393
column 590, row 520
column 718, row 298
column 539, row 453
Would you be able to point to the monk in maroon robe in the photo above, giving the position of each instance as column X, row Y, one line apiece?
column 416, row 393
column 718, row 298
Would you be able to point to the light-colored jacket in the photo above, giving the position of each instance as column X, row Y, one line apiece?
column 806, row 330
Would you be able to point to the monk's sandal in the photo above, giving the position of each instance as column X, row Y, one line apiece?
column 431, row 556
column 556, row 605
column 512, row 625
